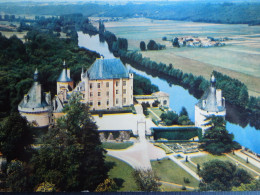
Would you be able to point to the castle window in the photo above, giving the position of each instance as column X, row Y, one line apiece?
column 116, row 91
column 90, row 85
column 107, row 93
column 91, row 103
column 117, row 83
column 124, row 91
column 98, row 85
column 107, row 102
column 99, row 93
column 124, row 83
column 116, row 100
column 99, row 103
column 91, row 94
column 107, row 84
column 124, row 100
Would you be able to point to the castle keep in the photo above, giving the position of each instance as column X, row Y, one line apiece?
column 107, row 84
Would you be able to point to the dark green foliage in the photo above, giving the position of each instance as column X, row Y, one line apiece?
column 72, row 157
column 142, row 46
column 183, row 112
column 17, row 179
column 152, row 45
column 145, row 106
column 15, row 137
column 175, row 42
column 146, row 180
column 178, row 133
column 217, row 140
column 220, row 12
column 222, row 176
column 155, row 103
column 143, row 86
column 43, row 50
column 186, row 180
column 170, row 118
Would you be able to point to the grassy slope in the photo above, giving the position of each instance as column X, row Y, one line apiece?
column 123, row 172
column 169, row 171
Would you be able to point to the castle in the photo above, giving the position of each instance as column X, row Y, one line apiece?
column 107, row 84
column 211, row 103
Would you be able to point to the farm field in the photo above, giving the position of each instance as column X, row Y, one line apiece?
column 238, row 59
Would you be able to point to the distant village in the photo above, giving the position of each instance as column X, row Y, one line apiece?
column 194, row 41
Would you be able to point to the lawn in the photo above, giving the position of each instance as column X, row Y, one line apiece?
column 157, row 111
column 244, row 162
column 208, row 157
column 116, row 146
column 169, row 171
column 122, row 174
column 202, row 159
column 191, row 166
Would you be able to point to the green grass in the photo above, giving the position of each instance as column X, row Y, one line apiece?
column 191, row 166
column 122, row 173
column 202, row 159
column 205, row 158
column 169, row 188
column 116, row 146
column 169, row 171
column 157, row 111
column 244, row 162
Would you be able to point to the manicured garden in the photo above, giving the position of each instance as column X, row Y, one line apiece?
column 122, row 174
column 169, row 171
column 116, row 146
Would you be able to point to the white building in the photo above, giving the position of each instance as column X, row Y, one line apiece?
column 211, row 103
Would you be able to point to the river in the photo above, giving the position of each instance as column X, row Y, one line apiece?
column 179, row 97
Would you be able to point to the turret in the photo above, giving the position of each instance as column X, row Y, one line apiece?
column 64, row 82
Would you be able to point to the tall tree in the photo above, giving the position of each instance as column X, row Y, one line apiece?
column 15, row 137
column 217, row 140
column 72, row 157
column 222, row 176
column 146, row 180
column 142, row 46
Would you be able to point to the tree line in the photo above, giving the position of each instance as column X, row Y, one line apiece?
column 221, row 12
column 234, row 91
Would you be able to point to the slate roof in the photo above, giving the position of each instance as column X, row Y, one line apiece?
column 32, row 102
column 211, row 101
column 107, row 69
column 64, row 76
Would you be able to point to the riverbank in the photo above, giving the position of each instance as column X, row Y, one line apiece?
column 239, row 59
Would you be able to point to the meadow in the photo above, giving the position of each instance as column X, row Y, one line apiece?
column 239, row 58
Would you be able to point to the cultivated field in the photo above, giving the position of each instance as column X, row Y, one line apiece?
column 239, row 58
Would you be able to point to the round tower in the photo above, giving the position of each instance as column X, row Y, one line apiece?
column 36, row 105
